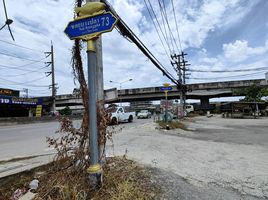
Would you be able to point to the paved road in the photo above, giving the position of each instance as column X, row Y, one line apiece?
column 25, row 140
column 213, row 161
column 217, row 153
column 30, row 139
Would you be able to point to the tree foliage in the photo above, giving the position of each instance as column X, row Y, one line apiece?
column 252, row 93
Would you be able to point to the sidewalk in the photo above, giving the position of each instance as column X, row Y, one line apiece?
column 14, row 167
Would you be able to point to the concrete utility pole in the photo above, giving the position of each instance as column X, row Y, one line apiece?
column 52, row 73
column 180, row 64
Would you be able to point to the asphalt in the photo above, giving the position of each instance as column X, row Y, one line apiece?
column 223, row 155
column 176, row 187
column 216, row 159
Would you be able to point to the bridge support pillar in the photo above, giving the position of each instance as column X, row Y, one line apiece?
column 204, row 103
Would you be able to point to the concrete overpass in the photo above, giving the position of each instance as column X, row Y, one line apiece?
column 202, row 91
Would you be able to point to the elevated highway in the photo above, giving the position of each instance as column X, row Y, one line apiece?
column 202, row 91
column 195, row 91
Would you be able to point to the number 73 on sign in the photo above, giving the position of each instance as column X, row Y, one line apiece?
column 91, row 27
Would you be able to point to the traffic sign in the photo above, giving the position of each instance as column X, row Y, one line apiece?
column 166, row 88
column 90, row 27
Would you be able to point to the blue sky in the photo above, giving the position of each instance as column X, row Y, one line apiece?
column 217, row 35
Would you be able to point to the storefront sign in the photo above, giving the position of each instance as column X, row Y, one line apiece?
column 20, row 101
column 8, row 92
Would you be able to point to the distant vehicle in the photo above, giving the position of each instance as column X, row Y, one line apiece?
column 119, row 115
column 144, row 114
column 54, row 113
column 189, row 108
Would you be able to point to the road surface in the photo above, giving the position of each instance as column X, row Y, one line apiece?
column 30, row 139
column 216, row 159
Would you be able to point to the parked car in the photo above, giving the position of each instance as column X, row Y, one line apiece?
column 189, row 108
column 144, row 114
column 119, row 115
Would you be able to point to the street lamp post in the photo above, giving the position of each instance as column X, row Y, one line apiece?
column 120, row 87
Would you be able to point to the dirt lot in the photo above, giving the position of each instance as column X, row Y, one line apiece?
column 228, row 155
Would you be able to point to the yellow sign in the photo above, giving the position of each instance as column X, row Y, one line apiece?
column 166, row 84
column 38, row 112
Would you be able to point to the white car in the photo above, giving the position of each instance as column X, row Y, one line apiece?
column 119, row 115
column 144, row 114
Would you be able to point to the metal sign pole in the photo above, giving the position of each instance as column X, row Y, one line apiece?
column 166, row 107
column 91, row 22
column 95, row 167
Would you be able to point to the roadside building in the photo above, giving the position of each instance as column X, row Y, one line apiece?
column 11, row 105
column 242, row 109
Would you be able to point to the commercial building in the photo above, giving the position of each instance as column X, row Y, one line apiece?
column 12, row 105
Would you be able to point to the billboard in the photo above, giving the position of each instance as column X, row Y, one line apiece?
column 20, row 101
column 8, row 92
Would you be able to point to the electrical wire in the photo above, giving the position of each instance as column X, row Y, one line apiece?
column 17, row 45
column 29, row 72
column 170, row 31
column 18, row 83
column 127, row 32
column 220, row 77
column 223, row 71
column 176, row 24
column 159, row 26
column 165, row 30
column 157, row 30
column 15, row 56
column 163, row 14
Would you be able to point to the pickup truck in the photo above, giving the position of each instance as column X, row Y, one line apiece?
column 119, row 115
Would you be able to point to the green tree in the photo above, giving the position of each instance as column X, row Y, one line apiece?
column 66, row 111
column 252, row 93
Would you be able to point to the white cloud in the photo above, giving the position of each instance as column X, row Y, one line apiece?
column 239, row 50
column 36, row 23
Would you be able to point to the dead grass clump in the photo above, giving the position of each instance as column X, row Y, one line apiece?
column 123, row 179
column 172, row 125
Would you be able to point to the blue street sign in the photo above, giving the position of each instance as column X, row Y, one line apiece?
column 90, row 26
column 166, row 88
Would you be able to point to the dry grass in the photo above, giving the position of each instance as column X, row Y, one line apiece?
column 18, row 181
column 172, row 125
column 123, row 180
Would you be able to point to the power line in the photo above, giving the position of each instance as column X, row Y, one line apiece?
column 176, row 24
column 17, row 83
column 15, row 56
column 170, row 31
column 20, row 67
column 223, row 77
column 125, row 31
column 152, row 10
column 164, row 24
column 223, row 71
column 29, row 72
column 163, row 13
column 17, row 45
column 157, row 29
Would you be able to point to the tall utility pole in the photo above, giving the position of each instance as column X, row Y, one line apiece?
column 180, row 65
column 52, row 73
